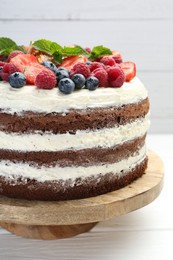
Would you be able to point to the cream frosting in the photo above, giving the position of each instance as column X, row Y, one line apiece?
column 30, row 98
column 83, row 139
column 12, row 170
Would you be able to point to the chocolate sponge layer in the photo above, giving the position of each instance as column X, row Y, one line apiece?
column 85, row 157
column 91, row 118
column 81, row 188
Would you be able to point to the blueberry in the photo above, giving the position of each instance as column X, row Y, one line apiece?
column 62, row 68
column 88, row 62
column 79, row 80
column 49, row 65
column 61, row 74
column 17, row 80
column 92, row 83
column 66, row 86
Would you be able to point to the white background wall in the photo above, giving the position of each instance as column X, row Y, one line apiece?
column 142, row 30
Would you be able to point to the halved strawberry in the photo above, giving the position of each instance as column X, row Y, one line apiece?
column 32, row 71
column 23, row 60
column 129, row 69
column 69, row 62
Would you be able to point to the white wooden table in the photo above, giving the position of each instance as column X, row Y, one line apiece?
column 140, row 235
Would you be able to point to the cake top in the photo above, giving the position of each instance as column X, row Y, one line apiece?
column 47, row 65
column 43, row 73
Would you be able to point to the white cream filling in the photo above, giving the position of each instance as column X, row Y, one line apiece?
column 13, row 170
column 30, row 98
column 106, row 137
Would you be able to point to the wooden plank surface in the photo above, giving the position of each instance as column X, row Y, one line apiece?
column 86, row 10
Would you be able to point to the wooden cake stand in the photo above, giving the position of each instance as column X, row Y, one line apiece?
column 54, row 220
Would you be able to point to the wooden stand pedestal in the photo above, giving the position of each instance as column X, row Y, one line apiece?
column 54, row 220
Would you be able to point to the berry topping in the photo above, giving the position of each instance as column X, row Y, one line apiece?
column 102, row 76
column 116, row 77
column 69, row 62
column 88, row 49
column 92, row 83
column 61, row 74
column 49, row 65
column 66, row 86
column 32, row 71
column 96, row 65
column 129, row 69
column 0, row 72
column 117, row 56
column 62, row 68
column 17, row 80
column 2, row 63
column 79, row 80
column 23, row 60
column 7, row 70
column 106, row 60
column 14, row 54
column 81, row 68
column 45, row 80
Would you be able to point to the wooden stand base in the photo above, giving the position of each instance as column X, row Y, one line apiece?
column 47, row 232
column 55, row 220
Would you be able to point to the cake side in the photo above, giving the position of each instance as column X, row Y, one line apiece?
column 55, row 146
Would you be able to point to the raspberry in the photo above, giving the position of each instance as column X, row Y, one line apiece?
column 14, row 54
column 106, row 60
column 116, row 77
column 81, row 68
column 88, row 49
column 116, row 56
column 7, row 70
column 117, row 59
column 107, row 68
column 2, row 63
column 95, row 65
column 45, row 80
column 102, row 76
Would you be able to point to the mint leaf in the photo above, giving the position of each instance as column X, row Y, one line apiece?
column 47, row 46
column 99, row 51
column 74, row 51
column 7, row 45
column 43, row 45
column 55, row 47
column 57, row 56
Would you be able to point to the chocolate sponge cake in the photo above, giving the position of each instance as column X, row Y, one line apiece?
column 55, row 146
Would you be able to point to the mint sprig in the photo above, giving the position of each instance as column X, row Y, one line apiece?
column 7, row 46
column 74, row 51
column 51, row 48
column 99, row 51
column 57, row 51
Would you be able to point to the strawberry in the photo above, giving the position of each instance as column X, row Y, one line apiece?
column 14, row 54
column 69, row 62
column 28, row 64
column 32, row 71
column 129, row 69
column 23, row 60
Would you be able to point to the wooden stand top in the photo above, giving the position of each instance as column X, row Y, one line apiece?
column 136, row 195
